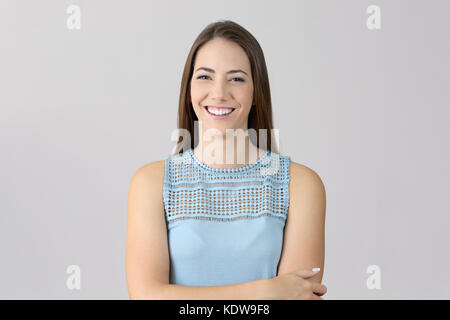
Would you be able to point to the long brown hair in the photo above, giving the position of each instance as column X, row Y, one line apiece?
column 260, row 116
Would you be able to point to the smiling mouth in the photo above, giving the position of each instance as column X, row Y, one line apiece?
column 220, row 114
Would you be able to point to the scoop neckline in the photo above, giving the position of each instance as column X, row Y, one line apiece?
column 239, row 169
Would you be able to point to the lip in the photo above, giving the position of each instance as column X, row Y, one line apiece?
column 218, row 116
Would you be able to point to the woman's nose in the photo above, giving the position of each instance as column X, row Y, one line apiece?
column 219, row 90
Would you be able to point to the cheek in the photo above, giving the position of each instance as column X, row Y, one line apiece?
column 195, row 95
column 198, row 88
column 245, row 92
column 245, row 98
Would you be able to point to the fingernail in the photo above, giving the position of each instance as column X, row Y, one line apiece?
column 316, row 269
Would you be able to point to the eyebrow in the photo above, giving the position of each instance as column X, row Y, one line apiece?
column 212, row 70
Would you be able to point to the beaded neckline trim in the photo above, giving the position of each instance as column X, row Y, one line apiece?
column 240, row 169
column 228, row 219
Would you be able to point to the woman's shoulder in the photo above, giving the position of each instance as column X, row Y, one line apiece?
column 302, row 176
column 153, row 168
column 151, row 173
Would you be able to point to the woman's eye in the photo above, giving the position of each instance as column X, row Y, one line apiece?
column 201, row 77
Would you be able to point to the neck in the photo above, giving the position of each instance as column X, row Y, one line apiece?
column 221, row 151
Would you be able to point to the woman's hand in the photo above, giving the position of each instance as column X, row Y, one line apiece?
column 294, row 286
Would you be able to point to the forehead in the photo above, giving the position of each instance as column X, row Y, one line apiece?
column 221, row 54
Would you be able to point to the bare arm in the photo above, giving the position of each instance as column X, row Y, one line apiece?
column 147, row 251
column 252, row 290
column 304, row 235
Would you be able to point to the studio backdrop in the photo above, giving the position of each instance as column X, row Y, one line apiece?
column 89, row 93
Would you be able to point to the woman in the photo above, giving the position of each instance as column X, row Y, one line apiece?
column 203, row 227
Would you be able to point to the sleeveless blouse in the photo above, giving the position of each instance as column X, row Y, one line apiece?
column 225, row 225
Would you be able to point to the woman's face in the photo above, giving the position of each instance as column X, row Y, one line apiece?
column 222, row 85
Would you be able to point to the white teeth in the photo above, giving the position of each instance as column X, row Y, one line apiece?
column 219, row 112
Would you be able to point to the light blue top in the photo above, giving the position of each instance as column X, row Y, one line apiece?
column 225, row 226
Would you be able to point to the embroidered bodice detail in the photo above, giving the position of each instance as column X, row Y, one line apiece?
column 193, row 190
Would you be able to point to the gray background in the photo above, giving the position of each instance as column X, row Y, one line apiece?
column 82, row 110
